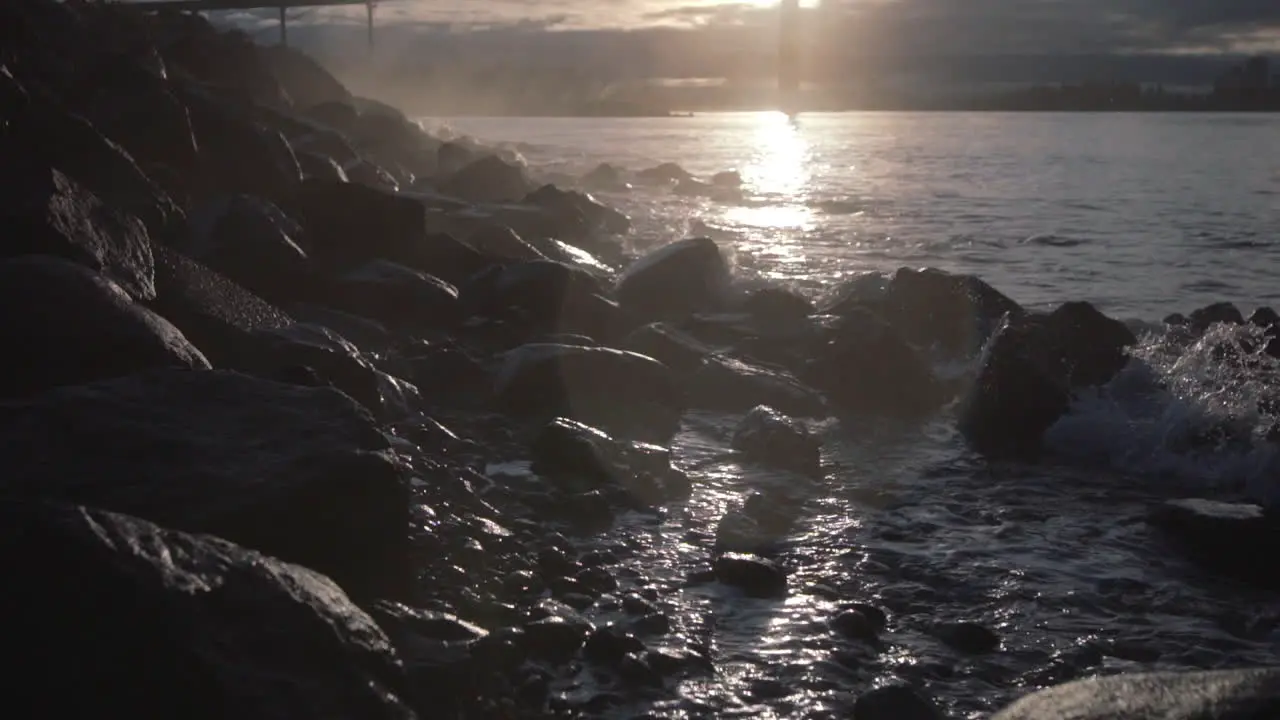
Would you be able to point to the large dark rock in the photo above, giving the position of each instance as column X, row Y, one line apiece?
column 213, row 312
column 730, row 385
column 291, row 471
column 929, row 307
column 674, row 281
column 42, row 131
column 238, row 154
column 1221, row 312
column 586, row 459
column 866, row 367
column 1029, row 372
column 45, row 212
column 63, row 324
column 598, row 386
column 397, row 296
column 1234, row 539
column 489, row 179
column 677, row 350
column 252, row 242
column 756, row 576
column 158, row 623
column 1251, row 694
column 349, row 225
column 545, row 296
column 778, row 308
column 773, row 439
column 578, row 214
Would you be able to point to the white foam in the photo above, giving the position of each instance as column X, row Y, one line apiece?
column 1153, row 418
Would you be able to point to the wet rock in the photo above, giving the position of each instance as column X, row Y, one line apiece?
column 608, row 645
column 727, row 178
column 389, row 226
column 674, row 281
column 1223, row 312
column 605, row 177
column 367, row 335
column 665, row 173
column 489, row 179
column 406, row 625
column 895, row 702
column 771, row 438
column 452, row 157
column 755, row 576
column 738, row 532
column 555, row 638
column 398, row 297
column 252, row 242
column 501, row 243
column 218, row 628
column 288, row 470
column 634, row 668
column 930, row 307
column 636, row 604
column 867, row 367
column 968, row 638
column 43, row 133
column 855, row 625
column 652, row 624
column 597, row 580
column 877, row 617
column 1029, row 371
column 587, row 458
column 63, row 324
column 778, row 308
column 46, row 212
column 1213, row 533
column 1212, row 695
column 588, row 513
column 598, row 386
column 677, row 350
column 578, row 214
column 731, row 385
column 547, row 296
column 1264, row 317
column 317, row 166
column 237, row 153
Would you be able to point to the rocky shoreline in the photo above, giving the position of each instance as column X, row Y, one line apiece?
column 278, row 349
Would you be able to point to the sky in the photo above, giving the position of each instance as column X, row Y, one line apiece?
column 878, row 26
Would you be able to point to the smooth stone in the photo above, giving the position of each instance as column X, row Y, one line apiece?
column 1251, row 694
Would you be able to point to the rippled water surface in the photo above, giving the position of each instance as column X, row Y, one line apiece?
column 1143, row 215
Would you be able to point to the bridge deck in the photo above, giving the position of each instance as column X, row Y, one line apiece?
column 202, row 5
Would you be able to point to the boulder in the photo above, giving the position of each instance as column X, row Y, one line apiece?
column 335, row 362
column 666, row 173
column 954, row 314
column 605, row 177
column 674, row 281
column 47, row 213
column 895, row 702
column 349, row 225
column 757, row 577
column 677, row 350
column 547, row 297
column 603, row 387
column 502, row 243
column 63, row 324
column 866, row 367
column 1249, row 694
column 397, row 296
column 1221, row 312
column 773, row 439
column 588, row 459
column 158, row 623
column 778, row 308
column 317, row 166
column 213, row 312
column 1029, row 371
column 578, row 214
column 489, row 179
column 1215, row 534
column 730, row 385
column 292, row 471
column 45, row 132
column 252, row 242
column 238, row 154
column 727, row 178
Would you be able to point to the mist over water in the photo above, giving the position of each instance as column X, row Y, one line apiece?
column 1142, row 215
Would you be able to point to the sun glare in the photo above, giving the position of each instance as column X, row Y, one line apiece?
column 778, row 174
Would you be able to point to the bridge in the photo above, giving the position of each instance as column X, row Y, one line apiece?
column 282, row 5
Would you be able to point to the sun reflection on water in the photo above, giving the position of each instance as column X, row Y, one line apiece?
column 777, row 177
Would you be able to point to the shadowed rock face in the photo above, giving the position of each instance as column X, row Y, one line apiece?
column 674, row 281
column 288, row 470
column 62, row 324
column 157, row 623
column 1221, row 695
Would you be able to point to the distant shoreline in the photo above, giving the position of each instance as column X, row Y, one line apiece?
column 958, row 111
